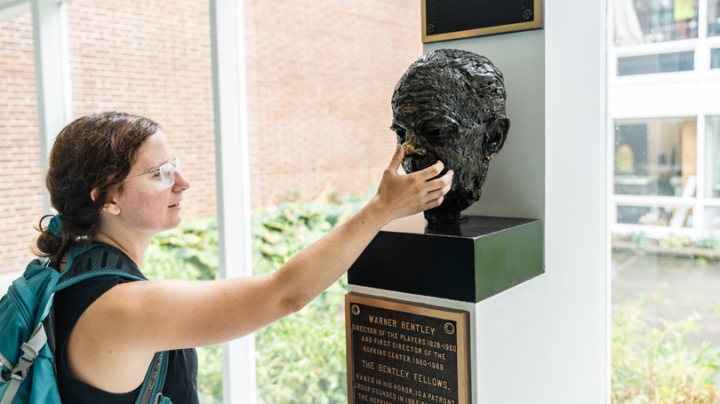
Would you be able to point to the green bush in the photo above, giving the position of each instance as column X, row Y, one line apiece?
column 190, row 252
column 656, row 365
column 301, row 358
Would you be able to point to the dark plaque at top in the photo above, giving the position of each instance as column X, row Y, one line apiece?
column 405, row 353
column 444, row 20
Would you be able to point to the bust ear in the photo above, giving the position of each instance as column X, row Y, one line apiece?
column 496, row 136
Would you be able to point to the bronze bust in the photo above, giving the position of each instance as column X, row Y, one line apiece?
column 450, row 106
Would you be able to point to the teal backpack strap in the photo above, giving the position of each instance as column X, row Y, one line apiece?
column 30, row 349
column 94, row 259
column 151, row 389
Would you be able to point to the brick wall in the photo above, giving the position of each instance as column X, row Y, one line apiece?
column 20, row 177
column 320, row 76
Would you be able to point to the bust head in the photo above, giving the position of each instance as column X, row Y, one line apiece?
column 450, row 106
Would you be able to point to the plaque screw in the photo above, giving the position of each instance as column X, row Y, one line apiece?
column 449, row 328
column 431, row 28
column 527, row 14
column 355, row 309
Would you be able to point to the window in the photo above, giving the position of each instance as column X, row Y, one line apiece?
column 665, row 204
column 713, row 17
column 655, row 157
column 663, row 63
column 647, row 21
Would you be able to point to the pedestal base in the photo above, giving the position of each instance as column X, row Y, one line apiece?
column 429, row 273
column 469, row 261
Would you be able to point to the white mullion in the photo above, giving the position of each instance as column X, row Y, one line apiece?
column 652, row 231
column 702, row 52
column 52, row 75
column 610, row 167
column 681, row 45
column 702, row 18
column 653, row 200
column 231, row 156
column 701, row 170
column 699, row 209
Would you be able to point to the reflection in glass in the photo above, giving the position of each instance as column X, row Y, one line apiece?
column 656, row 157
column 712, row 219
column 646, row 21
column 712, row 157
column 662, row 63
column 715, row 59
column 664, row 216
column 713, row 17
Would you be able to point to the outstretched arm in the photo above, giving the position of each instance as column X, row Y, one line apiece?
column 314, row 269
column 162, row 315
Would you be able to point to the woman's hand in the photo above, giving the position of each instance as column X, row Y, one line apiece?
column 402, row 195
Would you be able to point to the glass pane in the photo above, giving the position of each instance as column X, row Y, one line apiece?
column 21, row 179
column 712, row 221
column 665, row 256
column 713, row 17
column 646, row 21
column 667, row 303
column 715, row 59
column 663, row 216
column 712, row 157
column 295, row 82
column 663, row 63
column 656, row 157
column 164, row 71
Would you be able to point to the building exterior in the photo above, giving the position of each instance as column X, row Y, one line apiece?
column 318, row 87
column 664, row 111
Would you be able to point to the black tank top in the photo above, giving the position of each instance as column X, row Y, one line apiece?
column 70, row 303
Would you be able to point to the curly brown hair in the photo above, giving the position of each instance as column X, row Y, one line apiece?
column 94, row 152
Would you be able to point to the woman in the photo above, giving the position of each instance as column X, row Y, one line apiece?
column 114, row 180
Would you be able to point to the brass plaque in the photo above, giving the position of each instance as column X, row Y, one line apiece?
column 400, row 352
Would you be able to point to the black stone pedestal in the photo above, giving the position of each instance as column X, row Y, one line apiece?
column 469, row 261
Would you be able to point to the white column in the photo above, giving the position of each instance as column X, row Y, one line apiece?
column 550, row 335
column 52, row 75
column 228, row 61
column 577, row 335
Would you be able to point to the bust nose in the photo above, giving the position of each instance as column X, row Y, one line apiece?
column 411, row 147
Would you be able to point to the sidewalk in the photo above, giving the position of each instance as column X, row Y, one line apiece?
column 674, row 288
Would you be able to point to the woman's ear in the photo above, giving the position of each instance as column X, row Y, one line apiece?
column 109, row 206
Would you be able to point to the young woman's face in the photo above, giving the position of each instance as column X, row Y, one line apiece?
column 144, row 203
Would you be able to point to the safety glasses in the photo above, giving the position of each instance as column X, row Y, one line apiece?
column 166, row 172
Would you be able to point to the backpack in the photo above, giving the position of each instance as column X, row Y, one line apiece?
column 27, row 346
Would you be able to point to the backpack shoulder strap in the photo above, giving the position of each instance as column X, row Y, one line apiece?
column 151, row 389
column 94, row 259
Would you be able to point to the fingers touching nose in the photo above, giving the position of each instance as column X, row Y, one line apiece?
column 411, row 147
column 412, row 150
